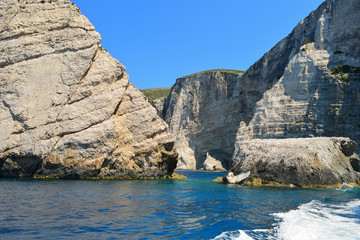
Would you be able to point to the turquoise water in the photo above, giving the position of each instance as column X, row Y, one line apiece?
column 173, row 209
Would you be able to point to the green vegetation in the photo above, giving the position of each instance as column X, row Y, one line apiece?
column 345, row 73
column 102, row 49
column 216, row 70
column 305, row 43
column 155, row 93
column 341, row 69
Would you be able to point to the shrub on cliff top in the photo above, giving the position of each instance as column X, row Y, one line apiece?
column 155, row 93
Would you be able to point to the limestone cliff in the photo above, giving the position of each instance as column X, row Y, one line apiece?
column 202, row 112
column 319, row 92
column 307, row 85
column 67, row 108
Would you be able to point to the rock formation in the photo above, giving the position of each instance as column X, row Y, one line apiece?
column 212, row 164
column 298, row 161
column 317, row 95
column 67, row 108
column 159, row 105
column 319, row 92
column 308, row 85
column 203, row 113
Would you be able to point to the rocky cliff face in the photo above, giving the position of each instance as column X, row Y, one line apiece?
column 319, row 92
column 308, row 85
column 202, row 112
column 67, row 108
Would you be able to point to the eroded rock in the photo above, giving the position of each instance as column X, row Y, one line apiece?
column 67, row 108
column 301, row 162
column 202, row 112
column 212, row 164
column 318, row 93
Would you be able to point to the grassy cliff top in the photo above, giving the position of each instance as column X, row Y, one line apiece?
column 155, row 93
column 217, row 70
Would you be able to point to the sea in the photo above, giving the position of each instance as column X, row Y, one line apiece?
column 195, row 208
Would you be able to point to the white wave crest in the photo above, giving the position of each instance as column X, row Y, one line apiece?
column 247, row 235
column 345, row 187
column 314, row 220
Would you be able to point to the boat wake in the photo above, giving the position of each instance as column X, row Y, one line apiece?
column 313, row 220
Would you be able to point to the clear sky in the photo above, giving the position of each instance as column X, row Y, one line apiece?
column 159, row 41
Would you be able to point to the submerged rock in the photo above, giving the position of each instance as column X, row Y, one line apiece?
column 67, row 108
column 301, row 162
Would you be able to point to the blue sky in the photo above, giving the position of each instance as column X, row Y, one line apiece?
column 159, row 41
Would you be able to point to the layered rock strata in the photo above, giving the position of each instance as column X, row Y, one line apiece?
column 301, row 162
column 67, row 108
column 202, row 112
column 319, row 91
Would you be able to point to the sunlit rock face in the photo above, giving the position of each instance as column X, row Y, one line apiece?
column 319, row 92
column 67, row 108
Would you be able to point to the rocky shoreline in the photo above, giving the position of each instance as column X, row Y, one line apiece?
column 68, row 109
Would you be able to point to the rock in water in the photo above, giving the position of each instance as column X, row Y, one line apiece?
column 67, row 108
column 301, row 162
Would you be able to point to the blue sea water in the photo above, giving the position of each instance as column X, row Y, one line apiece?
column 195, row 208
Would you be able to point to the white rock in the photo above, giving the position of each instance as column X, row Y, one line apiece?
column 233, row 179
column 212, row 164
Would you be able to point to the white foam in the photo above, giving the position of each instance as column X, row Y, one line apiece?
column 247, row 235
column 314, row 220
column 235, row 235
column 345, row 187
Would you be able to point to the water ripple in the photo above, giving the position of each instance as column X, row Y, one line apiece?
column 159, row 209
